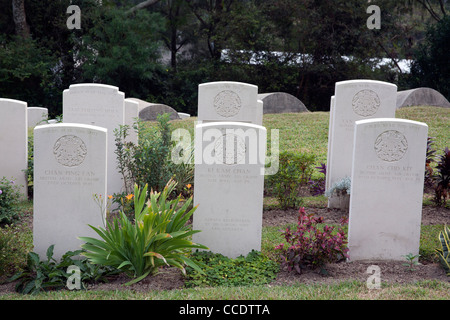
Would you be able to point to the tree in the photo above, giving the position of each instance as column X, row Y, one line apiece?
column 20, row 18
column 121, row 50
column 431, row 67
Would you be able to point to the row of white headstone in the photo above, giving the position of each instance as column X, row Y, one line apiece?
column 384, row 158
column 75, row 160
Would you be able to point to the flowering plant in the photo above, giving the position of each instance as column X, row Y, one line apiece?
column 310, row 247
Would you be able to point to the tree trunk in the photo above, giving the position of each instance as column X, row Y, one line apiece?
column 20, row 18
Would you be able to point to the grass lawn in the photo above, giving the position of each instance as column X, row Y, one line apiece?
column 303, row 133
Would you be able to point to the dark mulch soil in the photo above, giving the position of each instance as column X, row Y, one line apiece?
column 391, row 272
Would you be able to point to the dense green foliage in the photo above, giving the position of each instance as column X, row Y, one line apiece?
column 43, row 275
column 162, row 52
column 157, row 236
column 218, row 270
column 9, row 200
column 432, row 67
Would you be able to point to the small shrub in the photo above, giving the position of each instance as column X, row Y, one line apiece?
column 158, row 235
column 294, row 171
column 444, row 251
column 310, row 247
column 429, row 181
column 254, row 269
column 9, row 200
column 442, row 178
column 317, row 186
column 341, row 187
column 149, row 162
column 45, row 275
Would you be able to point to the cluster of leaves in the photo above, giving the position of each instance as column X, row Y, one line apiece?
column 310, row 247
column 9, row 200
column 317, row 186
column 442, row 178
column 254, row 269
column 294, row 171
column 444, row 251
column 438, row 178
column 341, row 187
column 149, row 162
column 45, row 275
column 158, row 236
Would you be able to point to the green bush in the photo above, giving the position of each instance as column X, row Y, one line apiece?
column 9, row 200
column 44, row 275
column 149, row 162
column 294, row 171
column 442, row 178
column 444, row 251
column 159, row 236
column 254, row 269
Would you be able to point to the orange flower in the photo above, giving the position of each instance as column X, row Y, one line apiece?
column 109, row 197
column 130, row 196
column 188, row 186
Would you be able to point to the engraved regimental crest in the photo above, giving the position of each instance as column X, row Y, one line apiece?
column 391, row 145
column 365, row 103
column 227, row 103
column 230, row 149
column 70, row 151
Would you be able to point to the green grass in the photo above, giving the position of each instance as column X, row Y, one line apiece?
column 345, row 290
column 303, row 132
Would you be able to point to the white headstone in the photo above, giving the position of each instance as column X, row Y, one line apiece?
column 229, row 101
column 387, row 189
column 228, row 186
column 36, row 115
column 184, row 115
column 354, row 100
column 330, row 136
column 14, row 142
column 100, row 105
column 69, row 168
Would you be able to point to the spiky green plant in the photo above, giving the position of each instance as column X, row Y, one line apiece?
column 444, row 252
column 158, row 236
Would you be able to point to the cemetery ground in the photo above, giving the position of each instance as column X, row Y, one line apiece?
column 299, row 133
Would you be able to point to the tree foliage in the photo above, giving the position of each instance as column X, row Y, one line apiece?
column 160, row 50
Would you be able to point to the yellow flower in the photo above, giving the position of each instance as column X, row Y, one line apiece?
column 130, row 196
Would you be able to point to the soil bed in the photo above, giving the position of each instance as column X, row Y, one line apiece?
column 391, row 272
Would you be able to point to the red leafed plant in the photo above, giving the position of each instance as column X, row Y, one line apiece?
column 310, row 247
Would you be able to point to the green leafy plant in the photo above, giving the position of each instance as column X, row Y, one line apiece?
column 442, row 178
column 253, row 269
column 158, row 236
column 149, row 162
column 444, row 251
column 294, row 171
column 411, row 261
column 311, row 247
column 9, row 200
column 44, row 275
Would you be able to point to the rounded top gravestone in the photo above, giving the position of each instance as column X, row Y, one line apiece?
column 281, row 102
column 149, row 111
column 421, row 97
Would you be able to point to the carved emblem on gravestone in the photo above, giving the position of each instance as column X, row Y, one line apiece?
column 230, row 149
column 70, row 151
column 227, row 103
column 391, row 145
column 365, row 103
